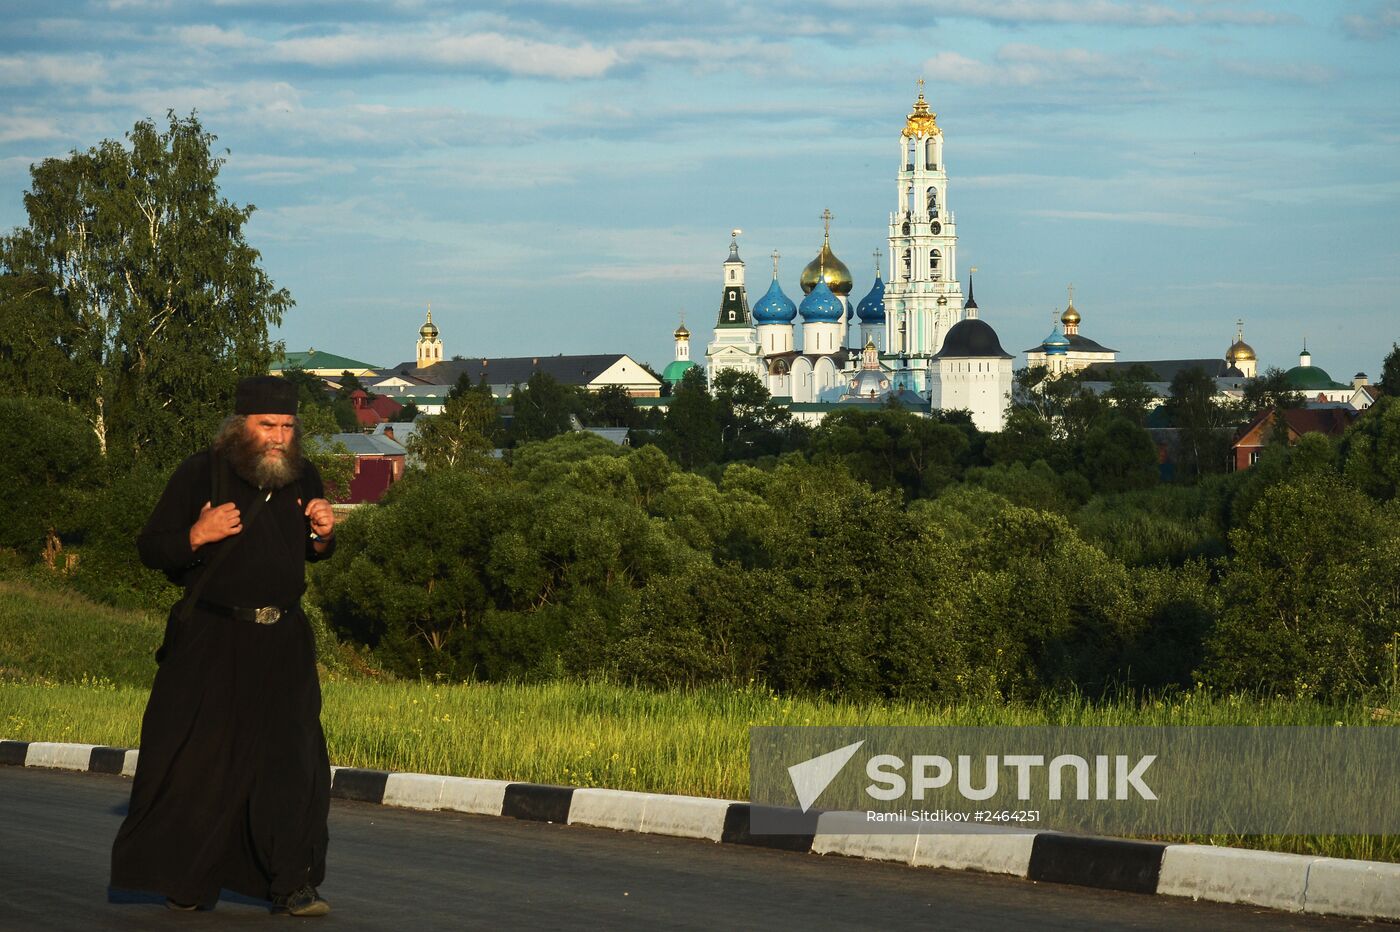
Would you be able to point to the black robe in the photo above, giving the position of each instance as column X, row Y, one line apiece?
column 232, row 785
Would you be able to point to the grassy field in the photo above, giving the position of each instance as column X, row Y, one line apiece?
column 581, row 734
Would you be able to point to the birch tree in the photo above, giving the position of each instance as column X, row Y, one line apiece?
column 133, row 294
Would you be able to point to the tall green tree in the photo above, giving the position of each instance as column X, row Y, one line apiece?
column 691, row 432
column 1204, row 424
column 750, row 423
column 542, row 408
column 132, row 294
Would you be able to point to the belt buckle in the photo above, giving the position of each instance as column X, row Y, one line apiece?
column 267, row 615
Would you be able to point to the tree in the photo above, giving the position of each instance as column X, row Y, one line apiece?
column 132, row 294
column 1390, row 372
column 542, row 408
column 1270, row 392
column 349, row 384
column 48, row 458
column 460, row 435
column 311, row 389
column 691, row 430
column 1204, row 424
column 1131, row 396
column 1119, row 456
column 893, row 449
column 750, row 424
column 610, row 406
column 405, row 415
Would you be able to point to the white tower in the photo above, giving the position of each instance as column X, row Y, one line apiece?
column 735, row 345
column 922, row 296
column 429, row 346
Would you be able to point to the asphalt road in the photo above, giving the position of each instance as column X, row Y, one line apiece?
column 405, row 870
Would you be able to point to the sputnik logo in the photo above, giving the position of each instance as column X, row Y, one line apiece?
column 811, row 777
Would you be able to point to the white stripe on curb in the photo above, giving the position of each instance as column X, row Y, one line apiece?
column 467, row 794
column 1234, row 875
column 58, row 756
column 685, row 816
column 622, row 810
column 1354, row 888
column 414, row 791
column 990, row 853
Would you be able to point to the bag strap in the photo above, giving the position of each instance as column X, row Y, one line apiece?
column 192, row 595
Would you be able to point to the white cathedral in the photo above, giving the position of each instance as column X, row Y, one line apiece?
column 918, row 339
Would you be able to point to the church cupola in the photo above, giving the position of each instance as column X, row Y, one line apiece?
column 773, row 315
column 971, row 306
column 871, row 309
column 1241, row 355
column 429, row 345
column 1070, row 318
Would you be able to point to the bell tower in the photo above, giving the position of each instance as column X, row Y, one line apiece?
column 923, row 297
column 429, row 345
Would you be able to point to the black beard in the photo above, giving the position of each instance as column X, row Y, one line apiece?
column 255, row 464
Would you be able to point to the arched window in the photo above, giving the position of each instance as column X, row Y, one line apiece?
column 935, row 260
column 731, row 275
column 905, row 228
column 909, row 156
column 907, row 269
column 931, row 154
column 909, row 199
column 931, row 201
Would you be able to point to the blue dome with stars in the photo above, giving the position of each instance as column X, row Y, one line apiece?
column 871, row 309
column 774, row 307
column 821, row 306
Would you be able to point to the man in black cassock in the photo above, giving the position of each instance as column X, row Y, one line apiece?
column 232, row 785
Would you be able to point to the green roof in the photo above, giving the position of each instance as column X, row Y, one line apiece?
column 319, row 359
column 676, row 370
column 1310, row 378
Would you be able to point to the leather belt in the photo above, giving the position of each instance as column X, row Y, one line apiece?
column 266, row 615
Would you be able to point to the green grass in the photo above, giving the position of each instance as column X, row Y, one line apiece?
column 571, row 733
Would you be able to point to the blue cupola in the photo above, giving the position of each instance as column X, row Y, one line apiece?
column 871, row 309
column 821, row 306
column 1056, row 344
column 774, row 307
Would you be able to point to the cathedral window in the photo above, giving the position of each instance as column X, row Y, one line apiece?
column 935, row 260
column 932, row 201
column 931, row 154
column 907, row 261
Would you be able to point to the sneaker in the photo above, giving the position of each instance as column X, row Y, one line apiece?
column 304, row 902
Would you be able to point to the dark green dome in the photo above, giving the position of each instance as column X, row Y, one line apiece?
column 1309, row 379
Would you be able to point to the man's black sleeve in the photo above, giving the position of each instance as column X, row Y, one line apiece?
column 313, row 487
column 164, row 543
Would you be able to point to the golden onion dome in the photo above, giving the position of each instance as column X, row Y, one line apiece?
column 1240, row 350
column 682, row 333
column 1070, row 316
column 922, row 121
column 429, row 330
column 829, row 268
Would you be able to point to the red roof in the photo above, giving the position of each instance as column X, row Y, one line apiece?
column 1331, row 422
column 386, row 408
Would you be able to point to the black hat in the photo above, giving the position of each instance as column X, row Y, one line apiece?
column 265, row 394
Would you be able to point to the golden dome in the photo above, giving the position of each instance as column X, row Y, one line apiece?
column 923, row 121
column 827, row 266
column 682, row 333
column 1240, row 350
column 1070, row 316
column 429, row 330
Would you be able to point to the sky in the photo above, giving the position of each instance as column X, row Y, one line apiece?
column 561, row 176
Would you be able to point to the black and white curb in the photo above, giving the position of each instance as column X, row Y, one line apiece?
column 1292, row 882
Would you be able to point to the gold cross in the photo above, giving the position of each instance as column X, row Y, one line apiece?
column 827, row 217
column 776, row 257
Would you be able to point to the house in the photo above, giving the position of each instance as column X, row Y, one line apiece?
column 379, row 463
column 321, row 363
column 1331, row 420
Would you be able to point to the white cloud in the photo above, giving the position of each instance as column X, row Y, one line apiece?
column 1153, row 218
column 1282, row 72
column 1380, row 24
column 17, row 127
column 1102, row 12
column 1021, row 65
column 488, row 50
column 215, row 37
column 25, row 70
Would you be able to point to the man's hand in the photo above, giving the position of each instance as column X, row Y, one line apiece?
column 322, row 518
column 214, row 524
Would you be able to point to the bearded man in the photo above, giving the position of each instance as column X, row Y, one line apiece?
column 232, row 785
